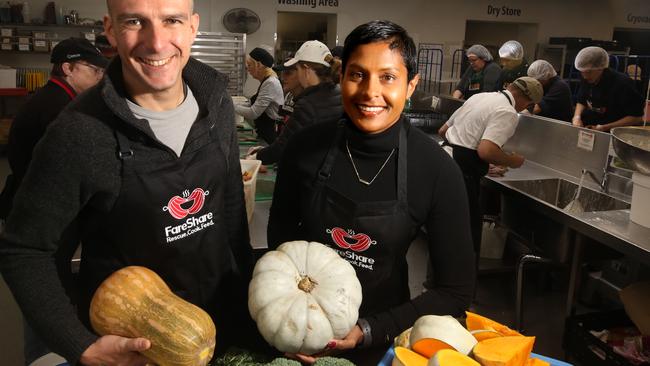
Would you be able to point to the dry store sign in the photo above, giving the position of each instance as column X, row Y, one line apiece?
column 311, row 3
column 503, row 11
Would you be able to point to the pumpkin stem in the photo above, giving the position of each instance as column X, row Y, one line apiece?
column 307, row 284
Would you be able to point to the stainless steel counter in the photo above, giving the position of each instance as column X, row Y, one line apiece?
column 611, row 228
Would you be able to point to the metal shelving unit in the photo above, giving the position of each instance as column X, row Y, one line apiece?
column 225, row 52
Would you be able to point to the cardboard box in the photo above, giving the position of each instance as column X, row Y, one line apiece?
column 6, row 40
column 24, row 40
column 7, row 77
column 40, row 35
column 6, row 47
column 24, row 47
column 6, row 32
column 41, row 45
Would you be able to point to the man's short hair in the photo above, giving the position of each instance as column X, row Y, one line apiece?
column 108, row 6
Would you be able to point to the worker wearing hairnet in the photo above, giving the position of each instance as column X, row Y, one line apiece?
column 606, row 98
column 513, row 62
column 482, row 75
column 556, row 102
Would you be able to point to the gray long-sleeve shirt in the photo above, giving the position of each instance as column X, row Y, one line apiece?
column 269, row 99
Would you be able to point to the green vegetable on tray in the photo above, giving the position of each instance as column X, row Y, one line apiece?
column 239, row 357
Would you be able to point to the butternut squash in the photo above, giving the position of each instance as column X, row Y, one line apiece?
column 402, row 340
column 428, row 347
column 446, row 330
column 135, row 302
column 536, row 362
column 406, row 357
column 449, row 357
column 504, row 351
column 483, row 334
column 478, row 322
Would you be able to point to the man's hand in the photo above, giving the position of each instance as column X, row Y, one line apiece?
column 577, row 121
column 111, row 350
column 497, row 170
column 602, row 128
column 354, row 337
column 516, row 160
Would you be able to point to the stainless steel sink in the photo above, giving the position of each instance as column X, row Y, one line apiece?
column 550, row 237
column 559, row 192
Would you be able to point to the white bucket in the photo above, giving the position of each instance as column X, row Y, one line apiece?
column 640, row 209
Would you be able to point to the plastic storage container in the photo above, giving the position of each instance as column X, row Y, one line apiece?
column 640, row 209
column 251, row 166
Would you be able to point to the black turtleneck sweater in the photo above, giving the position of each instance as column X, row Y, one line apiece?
column 436, row 199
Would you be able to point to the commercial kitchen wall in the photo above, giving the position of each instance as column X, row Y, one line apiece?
column 431, row 21
column 428, row 21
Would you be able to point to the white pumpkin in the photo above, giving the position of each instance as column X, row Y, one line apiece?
column 302, row 295
column 445, row 329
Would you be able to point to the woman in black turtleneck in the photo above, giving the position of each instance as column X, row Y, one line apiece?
column 373, row 176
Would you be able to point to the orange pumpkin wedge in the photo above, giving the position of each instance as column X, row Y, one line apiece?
column 504, row 351
column 449, row 357
column 536, row 362
column 478, row 322
column 483, row 334
column 406, row 357
column 428, row 347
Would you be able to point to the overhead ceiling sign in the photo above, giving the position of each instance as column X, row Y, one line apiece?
column 311, row 3
column 503, row 11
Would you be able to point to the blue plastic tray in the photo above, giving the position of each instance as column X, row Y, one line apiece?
column 387, row 360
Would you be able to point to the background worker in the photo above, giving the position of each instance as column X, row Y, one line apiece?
column 115, row 161
column 478, row 130
column 556, row 102
column 291, row 88
column 513, row 63
column 265, row 104
column 606, row 98
column 482, row 75
column 320, row 100
column 77, row 66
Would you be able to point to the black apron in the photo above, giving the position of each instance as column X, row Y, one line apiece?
column 169, row 219
column 473, row 169
column 373, row 236
column 264, row 125
column 474, row 85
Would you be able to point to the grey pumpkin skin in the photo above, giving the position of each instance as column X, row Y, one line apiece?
column 135, row 302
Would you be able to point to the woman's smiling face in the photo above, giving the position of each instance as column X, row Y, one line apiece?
column 375, row 86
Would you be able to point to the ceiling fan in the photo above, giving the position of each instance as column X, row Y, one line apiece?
column 241, row 20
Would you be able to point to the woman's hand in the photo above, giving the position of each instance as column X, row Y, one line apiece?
column 111, row 350
column 251, row 154
column 354, row 337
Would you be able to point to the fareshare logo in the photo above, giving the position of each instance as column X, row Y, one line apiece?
column 177, row 204
column 180, row 207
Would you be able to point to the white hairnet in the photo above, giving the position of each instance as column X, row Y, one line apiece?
column 541, row 70
column 480, row 52
column 592, row 58
column 512, row 49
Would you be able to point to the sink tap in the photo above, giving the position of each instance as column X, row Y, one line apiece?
column 602, row 183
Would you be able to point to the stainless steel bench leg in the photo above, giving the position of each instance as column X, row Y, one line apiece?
column 519, row 311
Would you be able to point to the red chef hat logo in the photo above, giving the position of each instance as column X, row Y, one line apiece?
column 349, row 240
column 179, row 207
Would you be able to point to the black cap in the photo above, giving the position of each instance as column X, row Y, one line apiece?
column 261, row 55
column 280, row 67
column 77, row 49
column 337, row 51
